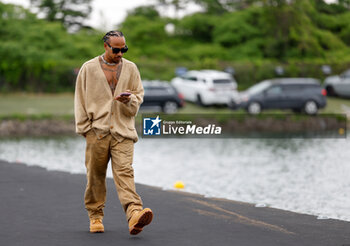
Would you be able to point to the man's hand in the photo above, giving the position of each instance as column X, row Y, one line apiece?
column 124, row 98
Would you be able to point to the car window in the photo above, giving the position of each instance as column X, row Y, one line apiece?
column 311, row 86
column 274, row 90
column 170, row 90
column 146, row 88
column 300, row 87
column 191, row 78
column 259, row 87
column 346, row 74
column 222, row 81
column 156, row 90
column 292, row 88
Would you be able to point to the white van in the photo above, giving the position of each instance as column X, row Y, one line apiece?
column 206, row 87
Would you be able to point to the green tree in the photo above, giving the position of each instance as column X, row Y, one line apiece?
column 144, row 30
column 70, row 12
column 147, row 11
column 37, row 55
column 344, row 3
column 212, row 6
column 177, row 4
column 198, row 27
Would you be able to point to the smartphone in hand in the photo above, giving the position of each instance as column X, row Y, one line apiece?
column 125, row 94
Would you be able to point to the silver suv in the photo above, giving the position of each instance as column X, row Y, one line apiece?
column 338, row 85
column 206, row 87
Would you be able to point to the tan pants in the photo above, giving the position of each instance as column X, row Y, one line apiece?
column 98, row 153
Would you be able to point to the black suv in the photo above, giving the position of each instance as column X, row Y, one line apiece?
column 299, row 94
column 161, row 95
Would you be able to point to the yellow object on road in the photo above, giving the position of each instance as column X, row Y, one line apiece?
column 179, row 185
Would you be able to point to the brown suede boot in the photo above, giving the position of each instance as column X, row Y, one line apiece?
column 139, row 220
column 96, row 226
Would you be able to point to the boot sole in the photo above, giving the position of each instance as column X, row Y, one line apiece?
column 97, row 230
column 144, row 220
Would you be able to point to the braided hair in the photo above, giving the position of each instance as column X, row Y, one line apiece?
column 112, row 33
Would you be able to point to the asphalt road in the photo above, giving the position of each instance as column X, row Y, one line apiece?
column 40, row 207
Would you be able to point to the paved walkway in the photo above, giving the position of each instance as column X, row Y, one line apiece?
column 39, row 207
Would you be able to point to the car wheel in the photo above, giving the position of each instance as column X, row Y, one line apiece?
column 310, row 107
column 232, row 105
column 254, row 108
column 170, row 107
column 199, row 101
column 330, row 91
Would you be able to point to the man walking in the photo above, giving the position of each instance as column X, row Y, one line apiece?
column 108, row 95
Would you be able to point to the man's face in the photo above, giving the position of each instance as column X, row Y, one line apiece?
column 114, row 42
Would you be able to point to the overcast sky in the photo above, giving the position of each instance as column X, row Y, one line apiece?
column 106, row 14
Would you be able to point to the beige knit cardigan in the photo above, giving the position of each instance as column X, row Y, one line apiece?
column 95, row 107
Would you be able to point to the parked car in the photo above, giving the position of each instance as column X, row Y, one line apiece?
column 162, row 95
column 206, row 87
column 299, row 94
column 338, row 85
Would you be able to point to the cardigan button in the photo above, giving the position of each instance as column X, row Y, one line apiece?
column 111, row 127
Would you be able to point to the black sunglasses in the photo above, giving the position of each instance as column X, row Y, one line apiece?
column 117, row 50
